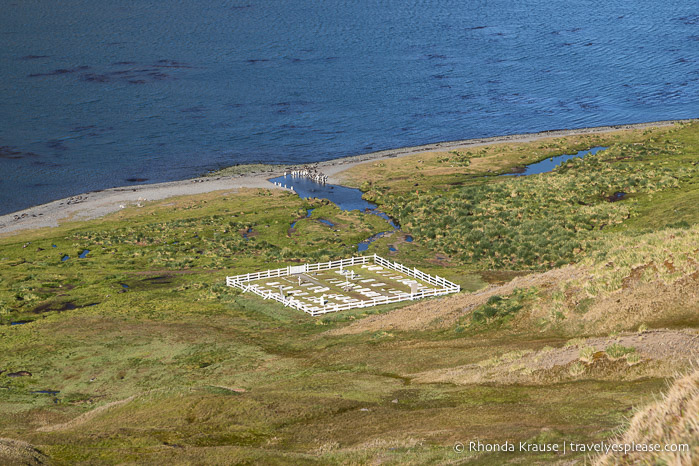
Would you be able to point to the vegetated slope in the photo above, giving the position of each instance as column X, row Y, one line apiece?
column 541, row 221
column 87, row 263
column 649, row 279
column 17, row 452
column 447, row 312
column 672, row 420
column 650, row 353
column 137, row 352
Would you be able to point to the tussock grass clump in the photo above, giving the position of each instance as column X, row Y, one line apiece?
column 616, row 282
column 672, row 420
column 574, row 342
column 19, row 452
column 616, row 351
column 633, row 358
column 587, row 354
column 506, row 358
column 576, row 369
column 663, row 256
column 499, row 307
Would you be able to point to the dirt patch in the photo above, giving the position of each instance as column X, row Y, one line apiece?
column 500, row 277
column 439, row 313
column 636, row 274
column 639, row 302
column 440, row 259
column 674, row 348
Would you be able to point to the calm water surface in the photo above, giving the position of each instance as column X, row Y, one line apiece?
column 551, row 163
column 104, row 93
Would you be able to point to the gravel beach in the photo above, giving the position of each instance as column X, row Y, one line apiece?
column 99, row 203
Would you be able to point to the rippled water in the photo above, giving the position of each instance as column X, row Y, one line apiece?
column 344, row 197
column 97, row 94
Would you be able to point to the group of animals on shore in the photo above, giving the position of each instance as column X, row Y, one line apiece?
column 309, row 172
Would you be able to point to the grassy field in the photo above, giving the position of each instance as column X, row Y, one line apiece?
column 540, row 221
column 137, row 352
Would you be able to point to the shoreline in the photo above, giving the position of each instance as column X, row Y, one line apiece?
column 99, row 203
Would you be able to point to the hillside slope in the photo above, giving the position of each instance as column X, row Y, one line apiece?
column 672, row 420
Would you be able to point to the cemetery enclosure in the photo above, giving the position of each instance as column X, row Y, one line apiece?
column 339, row 285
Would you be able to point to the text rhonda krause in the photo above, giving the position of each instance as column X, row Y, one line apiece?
column 573, row 447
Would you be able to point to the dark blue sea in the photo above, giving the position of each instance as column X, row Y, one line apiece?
column 95, row 94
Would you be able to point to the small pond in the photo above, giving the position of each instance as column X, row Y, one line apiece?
column 308, row 214
column 549, row 164
column 21, row 322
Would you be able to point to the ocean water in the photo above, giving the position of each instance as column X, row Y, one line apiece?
column 97, row 93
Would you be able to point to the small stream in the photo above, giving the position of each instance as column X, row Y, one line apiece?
column 21, row 322
column 342, row 196
column 351, row 199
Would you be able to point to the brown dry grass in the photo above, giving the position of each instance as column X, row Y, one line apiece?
column 663, row 352
column 16, row 452
column 440, row 313
column 448, row 165
column 652, row 279
column 674, row 419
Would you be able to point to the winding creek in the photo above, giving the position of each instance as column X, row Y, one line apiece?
column 342, row 196
column 351, row 199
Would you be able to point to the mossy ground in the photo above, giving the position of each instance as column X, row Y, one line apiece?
column 199, row 373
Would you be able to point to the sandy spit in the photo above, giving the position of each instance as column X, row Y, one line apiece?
column 99, row 203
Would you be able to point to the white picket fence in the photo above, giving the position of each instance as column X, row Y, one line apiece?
column 443, row 286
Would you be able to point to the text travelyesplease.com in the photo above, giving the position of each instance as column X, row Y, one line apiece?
column 565, row 447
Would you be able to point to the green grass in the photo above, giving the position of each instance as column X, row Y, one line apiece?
column 617, row 351
column 244, row 169
column 542, row 221
column 547, row 220
column 201, row 373
column 499, row 308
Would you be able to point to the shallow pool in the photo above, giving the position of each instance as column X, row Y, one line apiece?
column 551, row 163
